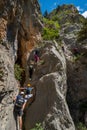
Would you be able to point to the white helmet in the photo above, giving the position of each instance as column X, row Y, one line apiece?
column 22, row 93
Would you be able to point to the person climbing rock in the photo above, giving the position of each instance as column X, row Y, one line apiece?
column 18, row 109
column 36, row 56
column 28, row 92
column 31, row 69
column 75, row 51
column 63, row 48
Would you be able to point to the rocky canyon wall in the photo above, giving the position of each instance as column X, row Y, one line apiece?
column 19, row 30
column 49, row 79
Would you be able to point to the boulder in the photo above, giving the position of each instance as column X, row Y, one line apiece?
column 50, row 107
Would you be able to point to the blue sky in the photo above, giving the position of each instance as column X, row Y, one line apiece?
column 49, row 5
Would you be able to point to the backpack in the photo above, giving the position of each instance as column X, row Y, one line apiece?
column 27, row 91
column 19, row 101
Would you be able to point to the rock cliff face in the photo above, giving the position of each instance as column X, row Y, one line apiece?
column 8, row 89
column 77, row 89
column 20, row 25
column 70, row 23
column 76, row 69
column 30, row 27
column 50, row 107
column 18, row 33
column 58, row 75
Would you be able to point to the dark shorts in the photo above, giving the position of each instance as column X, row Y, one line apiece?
column 18, row 111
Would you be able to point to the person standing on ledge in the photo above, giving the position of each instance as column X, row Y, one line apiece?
column 19, row 105
column 31, row 69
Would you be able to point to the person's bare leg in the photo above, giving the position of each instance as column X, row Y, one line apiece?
column 20, row 122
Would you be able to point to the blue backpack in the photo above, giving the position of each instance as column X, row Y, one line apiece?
column 28, row 90
column 19, row 101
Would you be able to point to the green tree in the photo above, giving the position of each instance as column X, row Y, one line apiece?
column 81, row 126
column 38, row 127
column 51, row 29
column 18, row 72
column 46, row 14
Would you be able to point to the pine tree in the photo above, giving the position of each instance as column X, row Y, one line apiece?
column 45, row 14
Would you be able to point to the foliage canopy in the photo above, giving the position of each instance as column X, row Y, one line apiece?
column 50, row 30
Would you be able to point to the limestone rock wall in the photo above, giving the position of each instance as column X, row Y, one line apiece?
column 20, row 26
column 8, row 89
column 30, row 27
column 77, row 88
column 19, row 29
column 50, row 107
column 76, row 71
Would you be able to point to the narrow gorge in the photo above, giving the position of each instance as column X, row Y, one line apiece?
column 60, row 77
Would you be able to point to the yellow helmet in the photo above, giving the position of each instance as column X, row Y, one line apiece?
column 28, row 85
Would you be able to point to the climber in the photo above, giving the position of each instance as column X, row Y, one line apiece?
column 31, row 69
column 75, row 51
column 28, row 93
column 18, row 108
column 27, row 90
column 63, row 48
column 36, row 56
